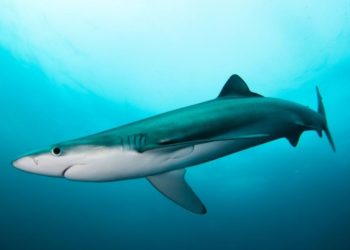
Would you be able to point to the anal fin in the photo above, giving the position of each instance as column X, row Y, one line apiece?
column 174, row 186
column 294, row 137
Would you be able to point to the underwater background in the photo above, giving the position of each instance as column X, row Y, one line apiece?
column 73, row 68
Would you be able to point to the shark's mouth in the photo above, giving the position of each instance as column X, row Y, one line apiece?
column 64, row 171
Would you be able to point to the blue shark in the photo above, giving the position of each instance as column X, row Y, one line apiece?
column 161, row 147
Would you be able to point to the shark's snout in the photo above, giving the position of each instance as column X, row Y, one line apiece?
column 25, row 163
column 44, row 164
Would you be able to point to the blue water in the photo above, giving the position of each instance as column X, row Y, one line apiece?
column 72, row 69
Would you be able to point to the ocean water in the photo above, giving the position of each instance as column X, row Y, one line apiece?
column 69, row 69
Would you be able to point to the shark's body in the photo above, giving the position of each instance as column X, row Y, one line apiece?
column 160, row 147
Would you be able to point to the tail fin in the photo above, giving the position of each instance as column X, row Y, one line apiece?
column 322, row 112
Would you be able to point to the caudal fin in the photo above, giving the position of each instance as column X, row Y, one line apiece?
column 322, row 112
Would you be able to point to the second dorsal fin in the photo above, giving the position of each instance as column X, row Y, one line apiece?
column 236, row 87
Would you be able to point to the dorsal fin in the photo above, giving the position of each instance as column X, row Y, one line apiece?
column 236, row 87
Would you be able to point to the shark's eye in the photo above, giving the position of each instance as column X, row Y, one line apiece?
column 56, row 151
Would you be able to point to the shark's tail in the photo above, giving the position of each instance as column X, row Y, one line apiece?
column 322, row 112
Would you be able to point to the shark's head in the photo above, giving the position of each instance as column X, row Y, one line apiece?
column 53, row 161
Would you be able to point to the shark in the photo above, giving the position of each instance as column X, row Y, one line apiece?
column 161, row 147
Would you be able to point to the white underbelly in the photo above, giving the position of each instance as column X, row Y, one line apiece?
column 117, row 164
column 213, row 150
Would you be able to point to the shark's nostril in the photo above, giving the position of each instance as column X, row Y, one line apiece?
column 35, row 161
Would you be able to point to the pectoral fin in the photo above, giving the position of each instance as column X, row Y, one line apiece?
column 174, row 186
